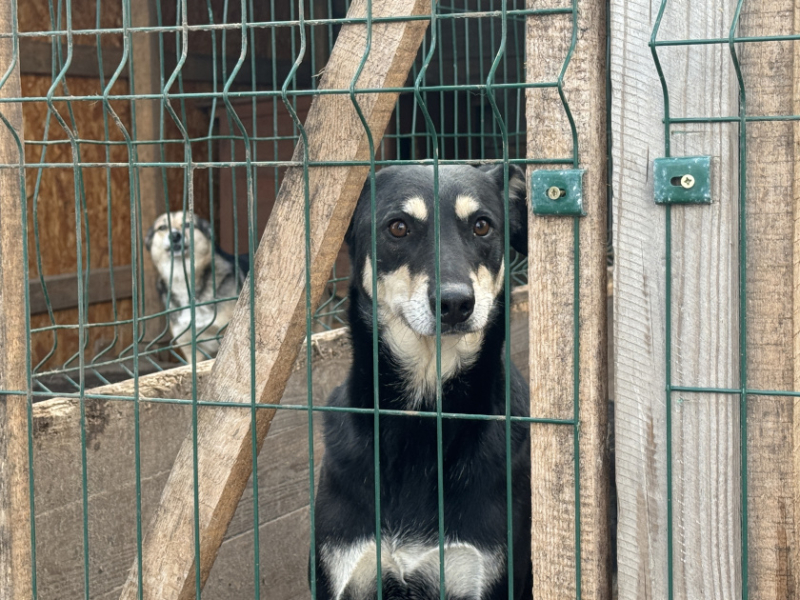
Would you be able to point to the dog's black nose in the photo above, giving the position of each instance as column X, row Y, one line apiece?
column 458, row 301
column 174, row 236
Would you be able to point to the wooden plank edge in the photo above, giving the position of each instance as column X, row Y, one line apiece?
column 62, row 290
column 15, row 530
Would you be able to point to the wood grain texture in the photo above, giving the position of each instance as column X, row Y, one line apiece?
column 796, row 287
column 704, row 310
column 224, row 436
column 768, row 70
column 551, row 311
column 15, row 532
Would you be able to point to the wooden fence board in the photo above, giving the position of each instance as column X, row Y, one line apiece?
column 551, row 311
column 767, row 70
column 704, row 310
column 15, row 541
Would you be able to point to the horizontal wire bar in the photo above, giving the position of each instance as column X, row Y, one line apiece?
column 751, row 119
column 733, row 391
column 302, row 407
column 285, row 163
column 726, row 41
column 236, row 138
column 268, row 94
column 279, row 24
column 683, row 389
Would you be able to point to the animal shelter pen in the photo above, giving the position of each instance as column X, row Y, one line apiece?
column 116, row 112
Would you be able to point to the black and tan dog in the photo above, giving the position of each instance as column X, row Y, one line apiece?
column 217, row 275
column 473, row 370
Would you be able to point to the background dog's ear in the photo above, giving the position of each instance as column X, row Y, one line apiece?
column 517, row 205
column 148, row 239
column 349, row 236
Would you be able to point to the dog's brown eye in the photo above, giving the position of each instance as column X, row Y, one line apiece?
column 398, row 228
column 481, row 227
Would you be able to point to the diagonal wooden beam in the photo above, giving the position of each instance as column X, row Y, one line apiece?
column 224, row 458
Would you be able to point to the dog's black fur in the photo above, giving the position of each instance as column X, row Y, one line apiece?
column 474, row 451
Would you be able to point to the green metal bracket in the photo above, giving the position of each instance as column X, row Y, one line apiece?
column 557, row 192
column 685, row 180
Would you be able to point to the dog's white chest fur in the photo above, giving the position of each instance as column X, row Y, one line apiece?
column 468, row 571
column 208, row 318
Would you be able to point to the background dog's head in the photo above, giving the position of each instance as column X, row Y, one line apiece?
column 169, row 239
column 471, row 220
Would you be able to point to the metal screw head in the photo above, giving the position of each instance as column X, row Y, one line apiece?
column 553, row 193
column 687, row 182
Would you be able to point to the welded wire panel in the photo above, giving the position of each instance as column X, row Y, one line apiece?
column 161, row 138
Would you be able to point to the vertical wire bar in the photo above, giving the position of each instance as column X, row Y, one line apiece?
column 83, row 280
column 742, row 292
column 107, row 109
column 252, row 223
column 77, row 189
column 499, row 122
column 374, row 263
column 251, row 233
column 468, row 80
column 438, row 296
column 182, row 41
column 298, row 125
column 576, row 310
column 456, row 133
column 668, row 299
column 109, row 197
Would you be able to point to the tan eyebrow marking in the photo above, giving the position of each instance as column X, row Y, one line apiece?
column 466, row 206
column 416, row 208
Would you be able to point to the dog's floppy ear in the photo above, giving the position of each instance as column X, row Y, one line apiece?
column 349, row 236
column 148, row 239
column 517, row 205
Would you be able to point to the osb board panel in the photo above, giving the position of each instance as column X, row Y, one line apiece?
column 53, row 208
column 34, row 15
column 67, row 341
column 106, row 191
column 282, row 480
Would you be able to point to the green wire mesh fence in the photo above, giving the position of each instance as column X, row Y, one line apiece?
column 202, row 124
column 186, row 109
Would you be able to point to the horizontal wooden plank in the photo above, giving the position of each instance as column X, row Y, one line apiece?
column 62, row 290
column 36, row 58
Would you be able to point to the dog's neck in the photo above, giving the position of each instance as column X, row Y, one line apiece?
column 177, row 271
column 407, row 361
